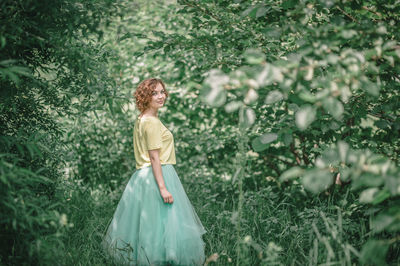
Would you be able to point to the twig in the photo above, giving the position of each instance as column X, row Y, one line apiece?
column 394, row 240
column 372, row 11
column 292, row 149
column 305, row 157
column 347, row 15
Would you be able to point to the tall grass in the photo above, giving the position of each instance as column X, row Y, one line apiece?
column 279, row 225
column 89, row 210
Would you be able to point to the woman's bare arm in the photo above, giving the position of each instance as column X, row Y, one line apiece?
column 156, row 165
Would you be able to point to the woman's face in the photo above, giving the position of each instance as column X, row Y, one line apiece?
column 158, row 97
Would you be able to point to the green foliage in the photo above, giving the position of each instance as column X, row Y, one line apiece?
column 270, row 101
column 89, row 211
column 48, row 57
column 31, row 223
column 324, row 76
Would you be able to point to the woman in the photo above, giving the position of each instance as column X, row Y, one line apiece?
column 154, row 223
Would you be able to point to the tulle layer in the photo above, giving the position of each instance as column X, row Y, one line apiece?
column 146, row 231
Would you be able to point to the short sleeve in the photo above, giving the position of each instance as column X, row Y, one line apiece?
column 152, row 134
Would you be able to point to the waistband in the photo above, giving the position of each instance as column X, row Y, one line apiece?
column 149, row 166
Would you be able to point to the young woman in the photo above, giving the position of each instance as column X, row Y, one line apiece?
column 154, row 223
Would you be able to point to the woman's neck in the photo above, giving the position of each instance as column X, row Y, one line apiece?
column 149, row 112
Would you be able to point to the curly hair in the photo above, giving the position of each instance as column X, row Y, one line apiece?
column 144, row 91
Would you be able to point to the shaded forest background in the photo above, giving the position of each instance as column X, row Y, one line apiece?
column 270, row 103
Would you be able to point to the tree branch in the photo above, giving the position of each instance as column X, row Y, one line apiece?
column 347, row 15
column 293, row 150
column 372, row 11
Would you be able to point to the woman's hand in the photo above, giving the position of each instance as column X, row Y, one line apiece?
column 167, row 197
column 157, row 170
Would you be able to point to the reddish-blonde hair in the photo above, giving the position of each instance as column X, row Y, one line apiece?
column 144, row 91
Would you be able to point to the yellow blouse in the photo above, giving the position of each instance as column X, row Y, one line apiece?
column 149, row 134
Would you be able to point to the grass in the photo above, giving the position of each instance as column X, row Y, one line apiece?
column 90, row 212
column 279, row 225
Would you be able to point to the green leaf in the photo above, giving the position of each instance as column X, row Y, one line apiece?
column 392, row 183
column 307, row 96
column 343, row 149
column 289, row 4
column 287, row 138
column 268, row 137
column 23, row 71
column 110, row 105
column 212, row 91
column 322, row 94
column 2, row 42
column 348, row 34
column 381, row 222
column 329, row 156
column 381, row 196
column 261, row 143
column 382, row 124
column 233, row 106
column 247, row 116
column 367, row 196
column 6, row 73
column 316, row 180
column 273, row 97
column 374, row 252
column 367, row 122
column 334, row 107
column 257, row 145
column 291, row 173
column 4, row 180
column 261, row 11
column 268, row 75
column 371, row 88
column 327, row 3
column 367, row 180
column 345, row 174
column 8, row 62
column 305, row 116
column 254, row 57
column 247, row 11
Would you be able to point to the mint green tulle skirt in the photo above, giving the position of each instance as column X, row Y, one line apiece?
column 146, row 231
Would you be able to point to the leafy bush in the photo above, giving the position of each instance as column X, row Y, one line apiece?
column 46, row 62
column 271, row 102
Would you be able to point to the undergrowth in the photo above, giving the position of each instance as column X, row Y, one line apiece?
column 279, row 226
